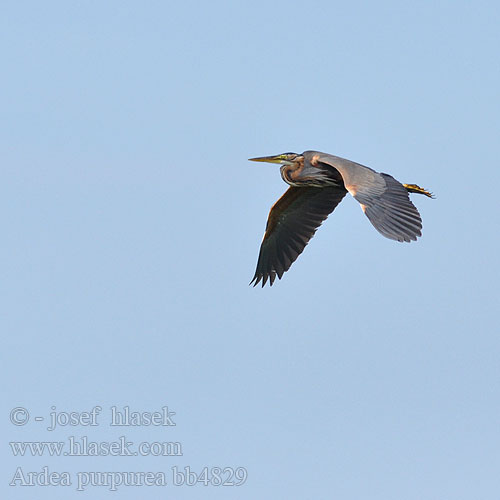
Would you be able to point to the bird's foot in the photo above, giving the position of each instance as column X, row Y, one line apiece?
column 413, row 188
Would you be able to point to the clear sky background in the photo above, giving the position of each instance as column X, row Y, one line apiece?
column 131, row 222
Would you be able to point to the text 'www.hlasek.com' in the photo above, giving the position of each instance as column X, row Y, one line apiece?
column 115, row 420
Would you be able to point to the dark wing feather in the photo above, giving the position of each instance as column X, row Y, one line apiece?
column 292, row 222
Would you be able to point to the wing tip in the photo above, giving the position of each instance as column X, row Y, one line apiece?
column 264, row 278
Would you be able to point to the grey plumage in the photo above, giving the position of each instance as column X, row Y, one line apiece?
column 318, row 183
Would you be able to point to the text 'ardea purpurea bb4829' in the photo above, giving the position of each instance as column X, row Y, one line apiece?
column 318, row 182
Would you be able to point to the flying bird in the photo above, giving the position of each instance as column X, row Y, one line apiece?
column 318, row 182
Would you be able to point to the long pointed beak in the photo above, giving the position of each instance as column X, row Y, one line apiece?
column 267, row 159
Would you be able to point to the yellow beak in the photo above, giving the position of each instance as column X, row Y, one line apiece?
column 268, row 159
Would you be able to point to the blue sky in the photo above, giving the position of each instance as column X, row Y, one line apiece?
column 131, row 224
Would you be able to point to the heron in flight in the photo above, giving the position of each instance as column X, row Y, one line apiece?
column 318, row 182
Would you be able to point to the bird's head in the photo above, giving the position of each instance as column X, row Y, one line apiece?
column 282, row 159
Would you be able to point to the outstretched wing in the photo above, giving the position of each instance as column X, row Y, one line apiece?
column 392, row 213
column 292, row 222
column 384, row 200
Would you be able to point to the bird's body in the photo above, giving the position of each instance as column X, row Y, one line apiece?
column 318, row 182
